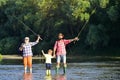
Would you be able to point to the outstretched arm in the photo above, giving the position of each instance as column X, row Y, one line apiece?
column 75, row 39
column 70, row 40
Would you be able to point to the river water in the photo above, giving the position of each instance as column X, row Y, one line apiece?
column 102, row 70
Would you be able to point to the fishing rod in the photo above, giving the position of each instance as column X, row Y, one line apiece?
column 79, row 33
column 27, row 27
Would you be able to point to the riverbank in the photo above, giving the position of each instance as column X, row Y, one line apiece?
column 19, row 57
column 69, row 57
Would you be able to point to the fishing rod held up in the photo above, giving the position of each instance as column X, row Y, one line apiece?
column 93, row 11
column 40, row 38
column 23, row 24
column 28, row 27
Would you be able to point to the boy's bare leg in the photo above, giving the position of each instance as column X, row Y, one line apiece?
column 49, row 72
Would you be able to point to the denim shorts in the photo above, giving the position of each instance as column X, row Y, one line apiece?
column 61, row 58
column 48, row 65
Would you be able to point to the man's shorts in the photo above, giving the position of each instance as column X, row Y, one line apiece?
column 61, row 58
column 27, row 61
column 48, row 65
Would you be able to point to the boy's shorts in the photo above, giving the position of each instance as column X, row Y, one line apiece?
column 48, row 65
column 61, row 58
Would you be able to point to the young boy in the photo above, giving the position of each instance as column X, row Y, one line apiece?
column 60, row 50
column 26, row 47
column 48, row 62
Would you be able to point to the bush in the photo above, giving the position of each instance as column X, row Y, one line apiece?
column 9, row 45
column 0, row 57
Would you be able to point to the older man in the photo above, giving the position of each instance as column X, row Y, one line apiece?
column 26, row 47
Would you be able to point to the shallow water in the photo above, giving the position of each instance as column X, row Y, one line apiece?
column 107, row 70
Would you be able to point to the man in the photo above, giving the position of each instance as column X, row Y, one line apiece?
column 60, row 50
column 26, row 47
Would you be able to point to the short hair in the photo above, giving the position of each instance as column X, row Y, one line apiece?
column 61, row 34
column 50, row 50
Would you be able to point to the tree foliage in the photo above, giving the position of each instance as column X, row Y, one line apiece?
column 48, row 17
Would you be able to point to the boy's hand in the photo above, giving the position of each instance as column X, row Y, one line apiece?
column 42, row 51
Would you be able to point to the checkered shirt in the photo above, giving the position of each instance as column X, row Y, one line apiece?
column 27, row 49
column 60, row 46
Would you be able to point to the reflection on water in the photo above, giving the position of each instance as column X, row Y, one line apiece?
column 60, row 77
column 109, row 70
column 27, row 76
column 48, row 77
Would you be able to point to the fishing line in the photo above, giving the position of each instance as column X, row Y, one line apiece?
column 79, row 33
column 26, row 26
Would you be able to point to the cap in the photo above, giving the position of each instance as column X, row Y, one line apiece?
column 27, row 38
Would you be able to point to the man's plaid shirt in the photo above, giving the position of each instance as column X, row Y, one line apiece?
column 60, row 46
column 27, row 48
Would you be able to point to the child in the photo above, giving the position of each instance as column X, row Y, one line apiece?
column 60, row 50
column 48, row 58
column 26, row 47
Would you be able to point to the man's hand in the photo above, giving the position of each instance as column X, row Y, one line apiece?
column 20, row 48
column 54, row 55
column 76, row 39
column 39, row 37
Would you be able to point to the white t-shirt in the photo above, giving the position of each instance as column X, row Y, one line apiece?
column 48, row 58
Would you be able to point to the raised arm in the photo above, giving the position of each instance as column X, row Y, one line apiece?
column 36, row 42
column 43, row 52
column 38, row 38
